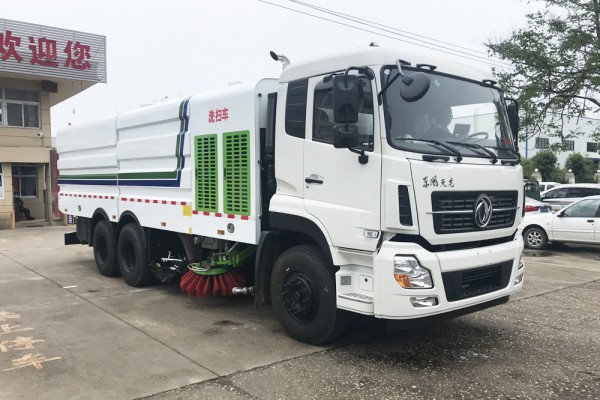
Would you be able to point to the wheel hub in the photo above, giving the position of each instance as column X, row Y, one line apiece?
column 299, row 298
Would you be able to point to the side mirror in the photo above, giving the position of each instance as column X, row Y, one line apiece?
column 345, row 136
column 345, row 99
column 414, row 86
column 512, row 110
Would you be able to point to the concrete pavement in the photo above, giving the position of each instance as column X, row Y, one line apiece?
column 67, row 332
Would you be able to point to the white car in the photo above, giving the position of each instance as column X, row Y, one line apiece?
column 533, row 206
column 548, row 185
column 576, row 223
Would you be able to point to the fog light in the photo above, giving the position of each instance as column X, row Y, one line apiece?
column 519, row 279
column 424, row 301
column 521, row 263
column 410, row 275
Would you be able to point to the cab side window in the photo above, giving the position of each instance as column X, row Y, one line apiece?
column 323, row 121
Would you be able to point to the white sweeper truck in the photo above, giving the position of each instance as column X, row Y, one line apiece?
column 372, row 181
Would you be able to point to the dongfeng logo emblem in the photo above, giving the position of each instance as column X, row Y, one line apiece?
column 482, row 212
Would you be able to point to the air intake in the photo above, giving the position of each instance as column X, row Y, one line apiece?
column 404, row 206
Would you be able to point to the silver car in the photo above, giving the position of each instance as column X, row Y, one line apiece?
column 564, row 195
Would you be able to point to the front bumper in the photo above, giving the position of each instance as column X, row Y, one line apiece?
column 470, row 280
column 393, row 302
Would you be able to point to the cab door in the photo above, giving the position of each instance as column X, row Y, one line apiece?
column 343, row 194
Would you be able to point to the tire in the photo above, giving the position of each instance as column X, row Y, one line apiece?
column 535, row 238
column 303, row 296
column 105, row 249
column 132, row 258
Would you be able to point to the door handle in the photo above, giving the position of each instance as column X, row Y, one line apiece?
column 312, row 180
column 590, row 220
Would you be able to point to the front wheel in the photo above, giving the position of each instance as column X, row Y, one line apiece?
column 535, row 238
column 303, row 295
column 133, row 261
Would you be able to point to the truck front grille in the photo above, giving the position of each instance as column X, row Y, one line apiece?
column 453, row 212
column 473, row 282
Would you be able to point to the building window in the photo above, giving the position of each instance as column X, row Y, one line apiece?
column 569, row 145
column 592, row 147
column 542, row 143
column 1, row 182
column 19, row 108
column 24, row 180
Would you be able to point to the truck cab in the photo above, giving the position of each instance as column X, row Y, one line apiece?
column 420, row 213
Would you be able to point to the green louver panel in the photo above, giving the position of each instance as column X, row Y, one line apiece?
column 206, row 173
column 236, row 161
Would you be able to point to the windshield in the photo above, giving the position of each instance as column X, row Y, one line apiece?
column 464, row 115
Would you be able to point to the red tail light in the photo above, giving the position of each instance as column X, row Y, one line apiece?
column 531, row 208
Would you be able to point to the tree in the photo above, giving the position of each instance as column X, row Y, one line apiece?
column 547, row 164
column 528, row 168
column 583, row 167
column 556, row 63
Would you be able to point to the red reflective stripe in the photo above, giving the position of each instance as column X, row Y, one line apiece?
column 245, row 217
column 147, row 200
column 155, row 201
column 173, row 203
column 195, row 212
column 218, row 214
column 230, row 216
column 123, row 199
column 111, row 197
column 164, row 202
column 206, row 213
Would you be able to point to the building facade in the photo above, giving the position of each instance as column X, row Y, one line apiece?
column 582, row 142
column 40, row 66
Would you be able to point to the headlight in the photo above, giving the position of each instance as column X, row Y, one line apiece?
column 410, row 275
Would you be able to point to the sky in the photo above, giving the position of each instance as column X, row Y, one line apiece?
column 160, row 50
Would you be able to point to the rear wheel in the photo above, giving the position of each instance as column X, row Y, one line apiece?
column 535, row 238
column 303, row 295
column 104, row 249
column 133, row 261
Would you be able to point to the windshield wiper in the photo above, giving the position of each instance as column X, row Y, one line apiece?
column 494, row 158
column 438, row 143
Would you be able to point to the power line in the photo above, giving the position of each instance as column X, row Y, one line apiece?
column 403, row 33
column 390, row 29
column 442, row 50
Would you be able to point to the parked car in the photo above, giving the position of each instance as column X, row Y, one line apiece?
column 577, row 223
column 564, row 195
column 533, row 206
column 548, row 185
